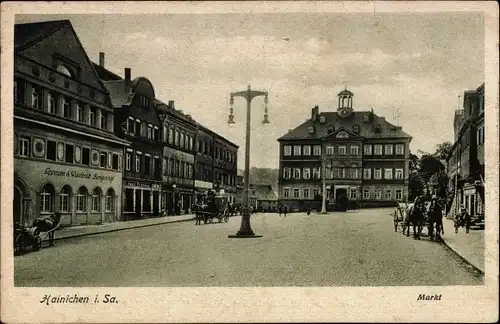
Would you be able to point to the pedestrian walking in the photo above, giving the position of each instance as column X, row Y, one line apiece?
column 285, row 210
column 279, row 210
column 462, row 219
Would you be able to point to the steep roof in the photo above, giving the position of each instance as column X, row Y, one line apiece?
column 27, row 34
column 367, row 129
column 264, row 192
column 118, row 93
column 104, row 74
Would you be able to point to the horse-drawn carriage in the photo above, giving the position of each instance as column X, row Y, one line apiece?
column 42, row 228
column 420, row 214
column 215, row 207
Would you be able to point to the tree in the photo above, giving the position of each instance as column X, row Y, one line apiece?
column 439, row 182
column 429, row 165
column 415, row 185
column 443, row 150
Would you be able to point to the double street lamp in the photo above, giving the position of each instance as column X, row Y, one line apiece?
column 248, row 95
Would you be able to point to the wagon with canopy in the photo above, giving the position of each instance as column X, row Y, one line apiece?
column 216, row 207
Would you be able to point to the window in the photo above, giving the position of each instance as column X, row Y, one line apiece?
column 377, row 149
column 104, row 120
column 297, row 150
column 342, row 150
column 342, row 173
column 287, row 150
column 93, row 116
column 171, row 135
column 310, row 129
column 399, row 173
column 296, row 173
column 147, row 164
column 367, row 149
column 353, row 193
column 306, row 193
column 378, row 194
column 322, row 119
column 69, row 152
column 366, row 193
column 104, row 159
column 177, row 138
column 286, row 192
column 354, row 150
column 182, row 140
column 388, row 149
column 306, row 173
column 330, row 129
column 51, row 150
column 81, row 200
column 355, row 173
column 287, row 173
column 110, row 199
column 137, row 161
column 96, row 200
column 316, row 173
column 399, row 194
column 79, row 112
column 388, row 194
column 86, row 156
column 190, row 143
column 138, row 128
column 47, row 199
column 64, row 199
column 329, row 150
column 388, row 174
column 24, row 146
column 35, row 100
column 18, row 91
column 306, row 150
column 128, row 162
column 51, row 103
column 150, row 131
column 377, row 174
column 400, row 149
column 378, row 128
column 317, row 150
column 355, row 129
column 66, row 107
column 296, row 193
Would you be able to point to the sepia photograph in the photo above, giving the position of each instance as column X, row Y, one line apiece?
column 249, row 148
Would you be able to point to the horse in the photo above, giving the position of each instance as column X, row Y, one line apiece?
column 414, row 214
column 199, row 216
column 435, row 216
column 47, row 224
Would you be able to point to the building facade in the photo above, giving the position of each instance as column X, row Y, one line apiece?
column 178, row 159
column 67, row 158
column 465, row 163
column 137, row 122
column 356, row 153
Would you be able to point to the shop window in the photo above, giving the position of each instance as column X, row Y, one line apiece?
column 24, row 146
column 110, row 199
column 47, row 199
column 115, row 162
column 86, row 156
column 51, row 150
column 103, row 160
column 96, row 200
column 65, row 198
column 81, row 200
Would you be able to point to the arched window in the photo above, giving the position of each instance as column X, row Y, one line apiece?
column 110, row 200
column 64, row 70
column 96, row 200
column 81, row 200
column 65, row 198
column 47, row 199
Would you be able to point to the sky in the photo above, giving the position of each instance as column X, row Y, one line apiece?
column 414, row 65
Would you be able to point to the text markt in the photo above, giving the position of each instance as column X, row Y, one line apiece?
column 79, row 175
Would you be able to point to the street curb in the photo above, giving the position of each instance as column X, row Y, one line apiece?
column 476, row 269
column 120, row 229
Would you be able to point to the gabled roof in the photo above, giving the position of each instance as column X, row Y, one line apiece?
column 118, row 93
column 264, row 192
column 349, row 132
column 367, row 129
column 31, row 33
column 105, row 74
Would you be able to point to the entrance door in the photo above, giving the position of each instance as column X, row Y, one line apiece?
column 341, row 199
column 17, row 205
column 138, row 204
column 156, row 204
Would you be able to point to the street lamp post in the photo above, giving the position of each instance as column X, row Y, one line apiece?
column 249, row 94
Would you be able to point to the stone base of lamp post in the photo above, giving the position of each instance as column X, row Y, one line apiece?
column 245, row 229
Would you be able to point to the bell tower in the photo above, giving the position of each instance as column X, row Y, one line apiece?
column 345, row 103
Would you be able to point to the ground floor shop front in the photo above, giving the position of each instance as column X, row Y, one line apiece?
column 82, row 195
column 142, row 199
column 177, row 201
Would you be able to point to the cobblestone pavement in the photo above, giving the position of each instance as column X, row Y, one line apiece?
column 355, row 248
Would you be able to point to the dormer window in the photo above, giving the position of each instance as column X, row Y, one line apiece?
column 64, row 70
column 378, row 128
column 331, row 129
column 366, row 118
column 355, row 129
column 322, row 119
column 311, row 129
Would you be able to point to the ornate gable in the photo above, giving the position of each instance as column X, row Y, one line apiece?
column 342, row 134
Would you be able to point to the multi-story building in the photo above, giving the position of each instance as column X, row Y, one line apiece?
column 136, row 121
column 67, row 158
column 357, row 153
column 179, row 134
column 465, row 163
column 216, row 163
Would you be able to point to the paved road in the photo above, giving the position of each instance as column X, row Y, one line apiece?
column 355, row 248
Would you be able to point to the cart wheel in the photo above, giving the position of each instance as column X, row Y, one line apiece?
column 19, row 245
column 226, row 218
column 38, row 243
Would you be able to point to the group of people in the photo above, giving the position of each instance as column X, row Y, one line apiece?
column 282, row 210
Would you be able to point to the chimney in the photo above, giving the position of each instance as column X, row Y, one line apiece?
column 314, row 113
column 171, row 104
column 101, row 59
column 127, row 74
